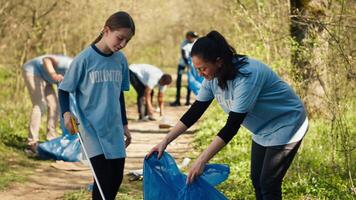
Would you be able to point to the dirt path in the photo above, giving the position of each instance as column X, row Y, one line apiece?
column 47, row 182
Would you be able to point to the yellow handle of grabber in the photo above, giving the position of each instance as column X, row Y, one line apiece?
column 74, row 125
column 76, row 130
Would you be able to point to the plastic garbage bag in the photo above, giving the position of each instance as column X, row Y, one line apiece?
column 66, row 147
column 215, row 174
column 162, row 180
column 194, row 79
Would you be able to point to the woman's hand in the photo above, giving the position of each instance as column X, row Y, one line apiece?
column 195, row 171
column 159, row 148
column 178, row 129
column 67, row 116
column 198, row 167
column 127, row 135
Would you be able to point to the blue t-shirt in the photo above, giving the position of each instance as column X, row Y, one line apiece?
column 97, row 80
column 35, row 66
column 275, row 112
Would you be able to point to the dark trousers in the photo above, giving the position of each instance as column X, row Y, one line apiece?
column 140, row 90
column 179, row 84
column 110, row 174
column 268, row 167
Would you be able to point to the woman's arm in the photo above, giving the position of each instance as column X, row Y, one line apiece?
column 224, row 136
column 178, row 129
column 189, row 118
column 198, row 167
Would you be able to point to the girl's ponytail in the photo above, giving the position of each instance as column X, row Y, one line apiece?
column 97, row 39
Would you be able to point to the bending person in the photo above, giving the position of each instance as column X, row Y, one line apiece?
column 144, row 78
column 253, row 96
column 40, row 74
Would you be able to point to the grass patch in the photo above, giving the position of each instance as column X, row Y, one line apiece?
column 15, row 166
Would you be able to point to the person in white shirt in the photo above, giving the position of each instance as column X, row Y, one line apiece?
column 144, row 78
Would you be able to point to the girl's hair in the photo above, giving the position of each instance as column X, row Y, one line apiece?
column 118, row 20
column 214, row 46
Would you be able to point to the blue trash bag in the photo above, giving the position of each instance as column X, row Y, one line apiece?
column 162, row 180
column 66, row 147
column 194, row 79
column 215, row 174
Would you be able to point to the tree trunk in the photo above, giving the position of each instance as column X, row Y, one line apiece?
column 306, row 31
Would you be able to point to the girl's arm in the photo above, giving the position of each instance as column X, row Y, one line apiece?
column 123, row 109
column 64, row 104
column 124, row 120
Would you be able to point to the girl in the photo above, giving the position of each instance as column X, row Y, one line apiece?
column 97, row 77
column 254, row 96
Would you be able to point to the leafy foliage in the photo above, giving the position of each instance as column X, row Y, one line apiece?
column 325, row 165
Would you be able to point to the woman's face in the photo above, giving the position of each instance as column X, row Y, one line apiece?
column 117, row 39
column 205, row 69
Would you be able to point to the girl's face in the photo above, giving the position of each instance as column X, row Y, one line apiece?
column 117, row 39
column 206, row 69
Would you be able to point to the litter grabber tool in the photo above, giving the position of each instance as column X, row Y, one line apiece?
column 75, row 127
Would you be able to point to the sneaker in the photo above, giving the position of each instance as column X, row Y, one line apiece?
column 31, row 150
column 151, row 118
column 143, row 119
column 174, row 104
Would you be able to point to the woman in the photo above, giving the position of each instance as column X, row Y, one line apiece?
column 253, row 96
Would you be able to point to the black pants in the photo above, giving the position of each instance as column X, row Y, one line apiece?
column 179, row 85
column 140, row 90
column 268, row 167
column 109, row 173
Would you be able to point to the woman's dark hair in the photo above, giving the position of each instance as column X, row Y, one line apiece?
column 118, row 20
column 214, row 46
